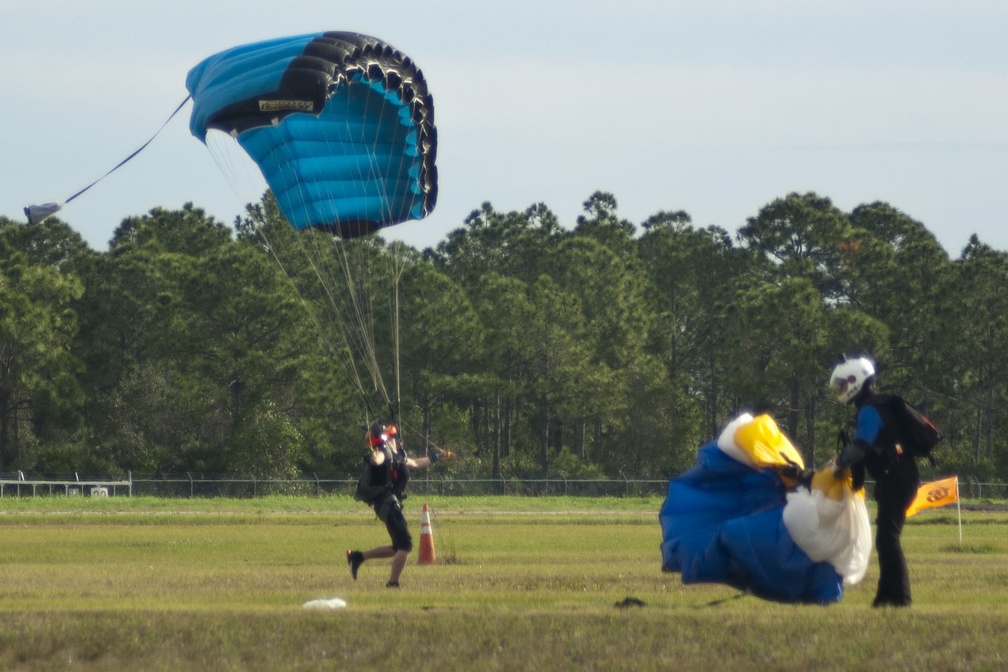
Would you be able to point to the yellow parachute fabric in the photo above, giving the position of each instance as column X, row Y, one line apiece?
column 759, row 443
column 834, row 488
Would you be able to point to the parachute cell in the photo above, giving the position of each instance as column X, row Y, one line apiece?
column 340, row 124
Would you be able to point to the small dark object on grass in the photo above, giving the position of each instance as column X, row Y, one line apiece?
column 628, row 602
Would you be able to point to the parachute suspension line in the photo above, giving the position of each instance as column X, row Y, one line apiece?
column 359, row 280
column 362, row 281
column 342, row 358
column 345, row 348
column 344, row 287
column 715, row 603
column 241, row 182
column 395, row 251
column 397, row 266
column 228, row 156
column 397, row 271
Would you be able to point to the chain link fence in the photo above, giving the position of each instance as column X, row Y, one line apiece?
column 533, row 487
column 238, row 487
column 233, row 486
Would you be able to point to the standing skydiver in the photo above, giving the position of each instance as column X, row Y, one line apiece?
column 876, row 447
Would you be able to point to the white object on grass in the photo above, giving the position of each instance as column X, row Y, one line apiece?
column 332, row 603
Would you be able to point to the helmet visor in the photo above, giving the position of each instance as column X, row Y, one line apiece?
column 841, row 384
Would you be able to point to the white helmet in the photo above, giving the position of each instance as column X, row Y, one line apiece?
column 850, row 376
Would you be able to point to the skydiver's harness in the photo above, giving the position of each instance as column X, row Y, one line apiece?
column 384, row 486
column 906, row 433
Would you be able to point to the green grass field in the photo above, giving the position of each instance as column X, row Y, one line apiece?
column 521, row 584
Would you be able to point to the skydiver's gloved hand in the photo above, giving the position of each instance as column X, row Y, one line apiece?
column 439, row 455
column 852, row 456
column 793, row 472
column 858, row 476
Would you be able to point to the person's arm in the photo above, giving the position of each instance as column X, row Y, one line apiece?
column 418, row 462
column 869, row 425
column 425, row 462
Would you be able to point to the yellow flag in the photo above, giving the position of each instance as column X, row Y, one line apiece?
column 935, row 494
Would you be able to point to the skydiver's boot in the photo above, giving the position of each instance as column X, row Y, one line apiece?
column 354, row 560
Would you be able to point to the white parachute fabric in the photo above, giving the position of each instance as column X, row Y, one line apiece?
column 831, row 525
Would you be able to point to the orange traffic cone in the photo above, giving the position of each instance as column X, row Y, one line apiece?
column 426, row 539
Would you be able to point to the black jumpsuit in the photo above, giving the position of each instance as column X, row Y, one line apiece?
column 897, row 479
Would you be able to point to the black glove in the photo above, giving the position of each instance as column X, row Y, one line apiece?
column 853, row 454
column 795, row 473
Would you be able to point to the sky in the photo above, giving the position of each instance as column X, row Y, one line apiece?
column 715, row 107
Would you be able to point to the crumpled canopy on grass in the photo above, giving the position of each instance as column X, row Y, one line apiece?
column 734, row 519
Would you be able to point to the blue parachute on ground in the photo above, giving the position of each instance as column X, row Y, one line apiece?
column 340, row 124
column 734, row 519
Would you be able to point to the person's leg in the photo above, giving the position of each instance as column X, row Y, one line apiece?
column 399, row 550
column 402, row 542
column 398, row 563
column 894, row 578
column 378, row 552
column 356, row 558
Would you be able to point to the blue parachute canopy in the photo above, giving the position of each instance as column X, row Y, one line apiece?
column 340, row 124
column 722, row 523
column 737, row 518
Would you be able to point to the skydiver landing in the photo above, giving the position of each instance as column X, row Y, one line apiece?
column 383, row 486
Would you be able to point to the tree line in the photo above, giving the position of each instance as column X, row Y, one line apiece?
column 603, row 348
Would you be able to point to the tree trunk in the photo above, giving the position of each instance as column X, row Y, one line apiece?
column 544, row 439
column 506, row 439
column 794, row 412
column 5, row 458
column 580, row 439
column 425, row 408
column 810, row 433
column 477, row 411
column 496, row 439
